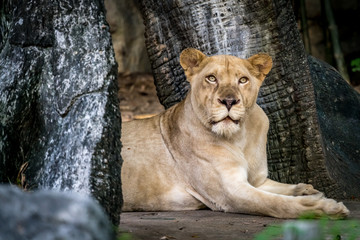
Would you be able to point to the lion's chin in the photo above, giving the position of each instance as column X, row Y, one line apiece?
column 226, row 127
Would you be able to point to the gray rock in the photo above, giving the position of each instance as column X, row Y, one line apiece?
column 58, row 99
column 51, row 215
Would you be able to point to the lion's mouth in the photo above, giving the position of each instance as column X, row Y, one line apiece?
column 227, row 119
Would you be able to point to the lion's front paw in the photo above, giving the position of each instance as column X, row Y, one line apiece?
column 335, row 210
column 320, row 205
column 304, row 189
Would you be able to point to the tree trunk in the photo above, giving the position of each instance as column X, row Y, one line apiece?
column 335, row 41
column 297, row 149
column 58, row 107
column 127, row 33
column 304, row 27
column 338, row 109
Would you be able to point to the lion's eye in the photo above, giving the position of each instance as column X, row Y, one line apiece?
column 243, row 80
column 211, row 79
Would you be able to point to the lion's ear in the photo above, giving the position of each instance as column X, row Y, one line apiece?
column 262, row 64
column 190, row 58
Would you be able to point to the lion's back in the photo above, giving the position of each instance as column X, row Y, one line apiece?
column 142, row 141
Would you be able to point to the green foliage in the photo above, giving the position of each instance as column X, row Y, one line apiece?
column 312, row 215
column 124, row 236
column 329, row 229
column 271, row 232
column 355, row 65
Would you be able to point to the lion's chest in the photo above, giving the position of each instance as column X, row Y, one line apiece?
column 251, row 154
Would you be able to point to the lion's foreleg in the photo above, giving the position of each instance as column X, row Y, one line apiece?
column 287, row 189
column 248, row 199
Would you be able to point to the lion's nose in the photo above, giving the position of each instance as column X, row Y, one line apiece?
column 228, row 102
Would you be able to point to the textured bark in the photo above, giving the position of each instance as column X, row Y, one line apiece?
column 338, row 108
column 58, row 106
column 296, row 150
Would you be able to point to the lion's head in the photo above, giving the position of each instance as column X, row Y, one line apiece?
column 223, row 87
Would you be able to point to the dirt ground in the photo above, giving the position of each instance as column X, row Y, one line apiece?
column 204, row 224
column 201, row 224
column 138, row 100
column 137, row 95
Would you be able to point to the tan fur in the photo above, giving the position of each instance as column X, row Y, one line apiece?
column 200, row 153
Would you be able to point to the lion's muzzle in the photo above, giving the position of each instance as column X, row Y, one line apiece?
column 228, row 102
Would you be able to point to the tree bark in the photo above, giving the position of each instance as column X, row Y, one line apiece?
column 338, row 109
column 58, row 106
column 296, row 149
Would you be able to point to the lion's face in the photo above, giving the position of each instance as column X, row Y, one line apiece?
column 223, row 87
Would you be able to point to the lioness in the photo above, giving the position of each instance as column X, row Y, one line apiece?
column 210, row 149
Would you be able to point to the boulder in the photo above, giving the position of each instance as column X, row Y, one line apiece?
column 59, row 112
column 51, row 215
